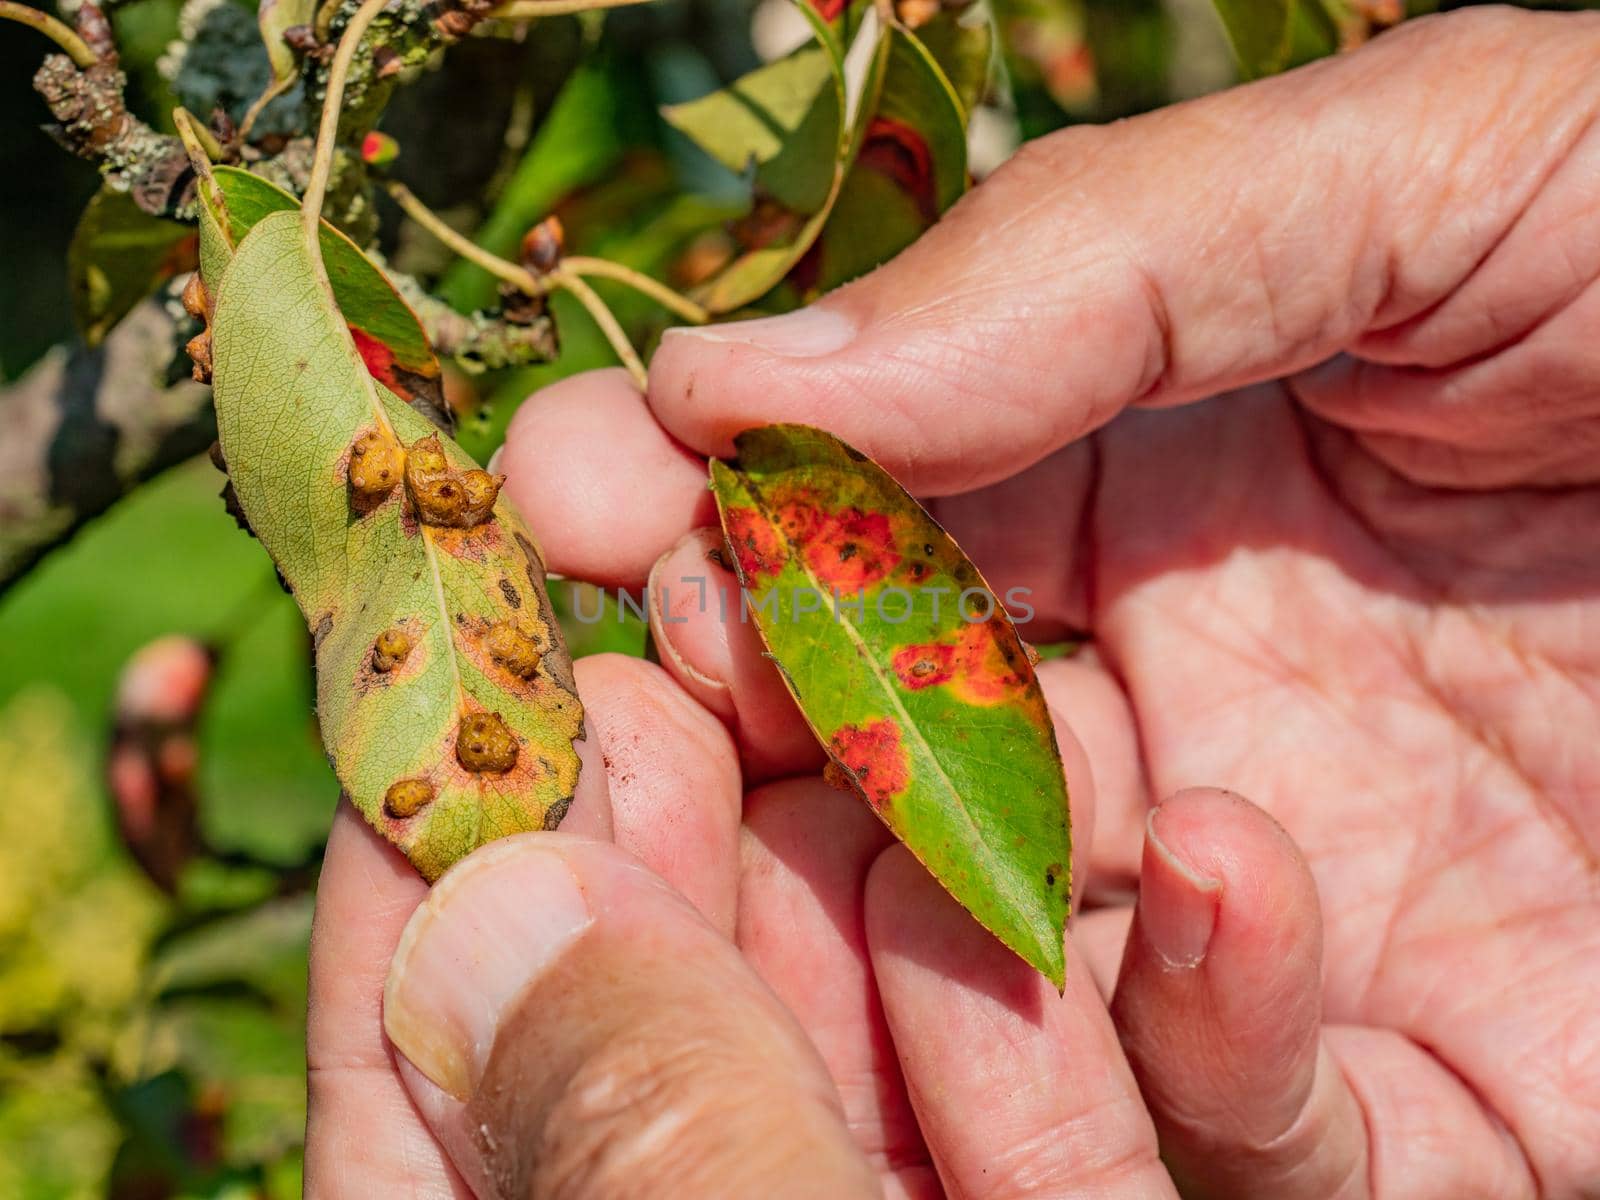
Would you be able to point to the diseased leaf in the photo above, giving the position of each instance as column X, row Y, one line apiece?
column 911, row 165
column 444, row 693
column 910, row 674
column 119, row 255
column 386, row 332
column 1261, row 32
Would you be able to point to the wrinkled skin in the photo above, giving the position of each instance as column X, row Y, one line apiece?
column 1288, row 399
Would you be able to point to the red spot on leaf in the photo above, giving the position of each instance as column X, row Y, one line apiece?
column 872, row 753
column 852, row 550
column 828, row 10
column 756, row 542
column 982, row 665
column 378, row 357
column 924, row 666
column 894, row 149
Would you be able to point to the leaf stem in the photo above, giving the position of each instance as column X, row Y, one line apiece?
column 74, row 46
column 464, row 246
column 527, row 10
column 670, row 300
column 567, row 276
column 328, row 131
column 606, row 319
column 185, row 120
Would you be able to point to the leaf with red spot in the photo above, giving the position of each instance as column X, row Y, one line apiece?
column 909, row 672
column 387, row 334
column 911, row 163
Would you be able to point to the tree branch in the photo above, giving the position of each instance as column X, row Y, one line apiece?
column 83, row 427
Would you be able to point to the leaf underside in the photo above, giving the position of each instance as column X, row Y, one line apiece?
column 934, row 717
column 293, row 396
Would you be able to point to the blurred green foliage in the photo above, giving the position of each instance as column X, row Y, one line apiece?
column 151, row 1043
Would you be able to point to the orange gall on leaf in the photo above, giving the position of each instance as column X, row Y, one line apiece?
column 512, row 649
column 390, row 649
column 873, row 756
column 194, row 297
column 407, row 797
column 376, row 464
column 443, row 496
column 543, row 245
column 485, row 744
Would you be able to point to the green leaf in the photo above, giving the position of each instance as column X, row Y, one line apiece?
column 119, row 255
column 910, row 674
column 457, row 726
column 912, row 162
column 783, row 119
column 771, row 126
column 1261, row 32
column 386, row 331
column 275, row 16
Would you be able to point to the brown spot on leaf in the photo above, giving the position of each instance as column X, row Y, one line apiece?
column 873, row 756
column 512, row 649
column 322, row 629
column 390, row 648
column 509, row 591
column 485, row 744
column 407, row 797
column 923, row 666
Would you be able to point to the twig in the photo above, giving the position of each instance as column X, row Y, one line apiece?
column 74, row 46
column 84, row 427
column 465, row 247
column 328, row 131
column 607, row 321
column 534, row 285
column 604, row 268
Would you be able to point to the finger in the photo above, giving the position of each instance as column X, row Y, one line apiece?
column 1219, row 1004
column 364, row 1139
column 363, row 1135
column 709, row 642
column 1067, row 286
column 1019, row 1091
column 1087, row 697
column 672, row 780
column 604, row 488
column 806, row 853
column 575, row 1028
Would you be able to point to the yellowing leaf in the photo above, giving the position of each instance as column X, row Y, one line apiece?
column 444, row 693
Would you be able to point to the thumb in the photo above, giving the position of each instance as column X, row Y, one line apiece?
column 572, row 1027
column 1173, row 256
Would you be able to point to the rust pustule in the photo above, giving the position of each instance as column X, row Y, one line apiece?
column 485, row 744
column 512, row 649
column 442, row 496
column 194, row 297
column 408, row 797
column 376, row 465
column 199, row 350
column 390, row 649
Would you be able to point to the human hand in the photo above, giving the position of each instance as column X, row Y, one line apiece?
column 1364, row 655
column 1364, row 595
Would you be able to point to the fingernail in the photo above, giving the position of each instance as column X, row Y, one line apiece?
column 1177, row 903
column 488, row 929
column 692, row 599
column 494, row 459
column 805, row 333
